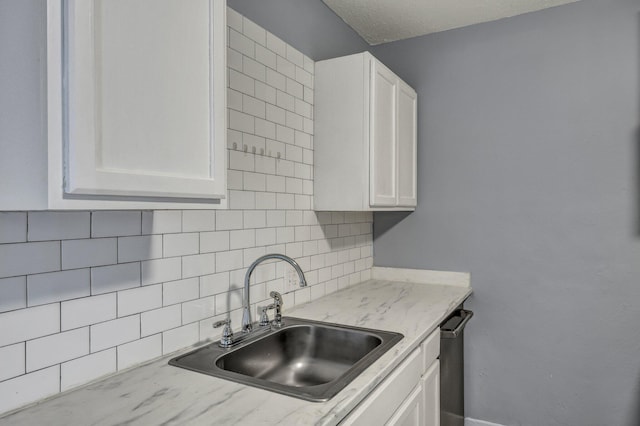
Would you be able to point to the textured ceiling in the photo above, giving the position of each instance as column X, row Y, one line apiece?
column 381, row 21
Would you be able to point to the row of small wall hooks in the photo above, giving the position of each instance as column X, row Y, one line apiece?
column 245, row 149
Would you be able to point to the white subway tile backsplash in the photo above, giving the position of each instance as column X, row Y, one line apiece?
column 234, row 62
column 285, row 201
column 285, row 67
column 198, row 220
column 254, row 31
column 254, row 219
column 199, row 309
column 276, row 114
column 87, row 311
column 159, row 320
column 115, row 223
column 295, row 89
column 266, row 164
column 265, row 129
column 241, row 121
column 169, row 274
column 265, row 56
column 228, row 301
column 29, row 323
column 275, row 80
column 139, row 300
column 215, row 241
column 131, row 249
column 29, row 387
column 29, row 258
column 242, row 200
column 254, row 107
column 161, row 221
column 199, row 264
column 242, row 239
column 295, row 56
column 241, row 43
column 57, row 348
column 105, row 279
column 286, row 135
column 13, row 227
column 179, row 338
column 57, row 286
column 180, row 244
column 234, row 179
column 180, row 291
column 254, row 181
column 84, row 253
column 309, row 65
column 13, row 361
column 285, row 168
column 139, row 351
column 265, row 200
column 266, row 92
column 304, row 77
column 116, row 332
column 214, row 284
column 45, row 226
column 161, row 270
column 308, row 97
column 13, row 293
column 229, row 260
column 87, row 368
column 234, row 19
column 242, row 83
column 254, row 69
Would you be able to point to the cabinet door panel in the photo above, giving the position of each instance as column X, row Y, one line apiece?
column 431, row 395
column 411, row 412
column 143, row 112
column 380, row 405
column 407, row 146
column 384, row 86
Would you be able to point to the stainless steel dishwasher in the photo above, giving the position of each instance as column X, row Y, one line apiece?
column 452, row 368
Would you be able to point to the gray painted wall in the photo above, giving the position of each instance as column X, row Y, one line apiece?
column 529, row 178
column 308, row 25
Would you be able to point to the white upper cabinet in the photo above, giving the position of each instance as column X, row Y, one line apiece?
column 136, row 104
column 365, row 137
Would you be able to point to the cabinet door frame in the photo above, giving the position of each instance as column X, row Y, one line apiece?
column 72, row 125
column 377, row 71
column 412, row 199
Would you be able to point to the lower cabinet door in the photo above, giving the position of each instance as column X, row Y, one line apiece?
column 378, row 408
column 431, row 395
column 411, row 412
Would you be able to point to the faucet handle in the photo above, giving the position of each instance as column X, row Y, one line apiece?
column 277, row 305
column 227, row 335
column 222, row 322
column 277, row 298
column 264, row 318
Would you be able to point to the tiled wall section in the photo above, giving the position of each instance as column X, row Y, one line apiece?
column 84, row 294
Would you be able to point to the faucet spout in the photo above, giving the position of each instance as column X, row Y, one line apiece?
column 246, row 311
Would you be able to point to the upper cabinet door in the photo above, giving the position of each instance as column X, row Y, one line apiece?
column 384, row 86
column 144, row 103
column 407, row 145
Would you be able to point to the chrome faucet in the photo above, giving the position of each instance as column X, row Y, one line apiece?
column 246, row 313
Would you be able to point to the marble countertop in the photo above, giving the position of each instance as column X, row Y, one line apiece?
column 156, row 393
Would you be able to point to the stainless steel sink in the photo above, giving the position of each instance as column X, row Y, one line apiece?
column 305, row 359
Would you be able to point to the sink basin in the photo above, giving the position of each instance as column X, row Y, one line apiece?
column 305, row 359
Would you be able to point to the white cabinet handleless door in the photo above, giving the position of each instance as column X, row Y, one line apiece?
column 136, row 103
column 407, row 145
column 364, row 137
column 384, row 89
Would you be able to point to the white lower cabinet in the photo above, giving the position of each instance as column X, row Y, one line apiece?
column 431, row 395
column 409, row 396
